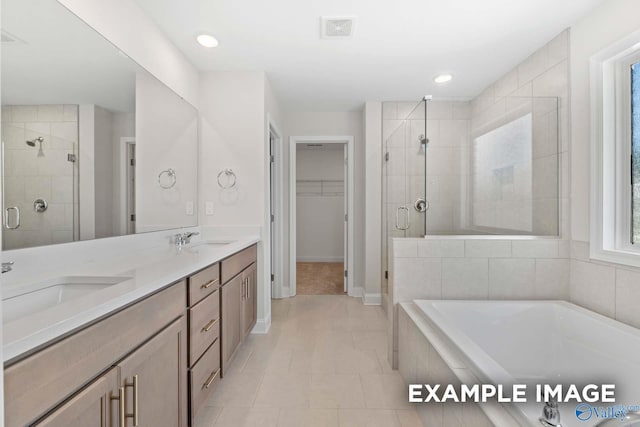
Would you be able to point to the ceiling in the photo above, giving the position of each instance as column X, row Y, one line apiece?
column 58, row 59
column 397, row 49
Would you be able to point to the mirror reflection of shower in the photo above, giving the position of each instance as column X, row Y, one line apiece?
column 32, row 143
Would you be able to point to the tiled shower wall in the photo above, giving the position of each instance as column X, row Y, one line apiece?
column 30, row 175
column 448, row 131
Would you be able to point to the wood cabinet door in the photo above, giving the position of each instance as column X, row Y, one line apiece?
column 231, row 299
column 91, row 407
column 249, row 302
column 155, row 380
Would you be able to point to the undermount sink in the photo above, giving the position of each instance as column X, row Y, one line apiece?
column 53, row 293
column 215, row 242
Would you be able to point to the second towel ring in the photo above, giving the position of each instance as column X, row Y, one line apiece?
column 167, row 178
column 230, row 179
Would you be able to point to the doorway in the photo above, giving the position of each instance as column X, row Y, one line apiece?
column 321, row 188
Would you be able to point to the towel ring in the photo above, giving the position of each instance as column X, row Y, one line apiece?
column 169, row 174
column 230, row 179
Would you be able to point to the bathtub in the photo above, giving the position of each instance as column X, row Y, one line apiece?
column 531, row 342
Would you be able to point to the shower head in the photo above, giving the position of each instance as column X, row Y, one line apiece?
column 32, row 143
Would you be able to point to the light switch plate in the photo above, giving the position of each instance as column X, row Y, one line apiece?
column 208, row 208
column 189, row 208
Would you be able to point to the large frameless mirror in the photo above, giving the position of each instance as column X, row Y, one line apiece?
column 92, row 144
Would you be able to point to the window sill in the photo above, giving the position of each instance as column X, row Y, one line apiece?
column 621, row 257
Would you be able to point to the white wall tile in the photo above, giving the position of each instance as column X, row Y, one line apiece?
column 479, row 248
column 405, row 248
column 25, row 113
column 593, row 287
column 552, row 279
column 465, row 278
column 534, row 248
column 50, row 113
column 441, row 248
column 580, row 250
column 389, row 111
column 511, row 278
column 628, row 297
column 417, row 278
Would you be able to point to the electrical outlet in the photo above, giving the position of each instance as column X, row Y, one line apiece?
column 208, row 208
column 189, row 208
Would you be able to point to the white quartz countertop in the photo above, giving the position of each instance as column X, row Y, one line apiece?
column 148, row 272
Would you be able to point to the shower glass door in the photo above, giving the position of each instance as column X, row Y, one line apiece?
column 403, row 173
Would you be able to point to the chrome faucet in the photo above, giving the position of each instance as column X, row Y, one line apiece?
column 7, row 266
column 184, row 238
column 550, row 415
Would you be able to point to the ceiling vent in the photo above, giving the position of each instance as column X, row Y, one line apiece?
column 337, row 27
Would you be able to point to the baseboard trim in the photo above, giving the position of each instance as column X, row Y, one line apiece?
column 372, row 299
column 356, row 292
column 262, row 326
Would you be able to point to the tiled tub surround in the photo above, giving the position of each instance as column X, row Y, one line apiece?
column 610, row 289
column 151, row 260
column 429, row 358
column 31, row 174
column 475, row 268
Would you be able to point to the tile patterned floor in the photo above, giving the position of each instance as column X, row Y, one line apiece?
column 319, row 278
column 323, row 364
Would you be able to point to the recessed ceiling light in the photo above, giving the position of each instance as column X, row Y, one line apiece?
column 207, row 40
column 443, row 78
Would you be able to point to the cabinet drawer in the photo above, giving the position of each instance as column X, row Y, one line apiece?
column 204, row 325
column 204, row 378
column 233, row 265
column 204, row 283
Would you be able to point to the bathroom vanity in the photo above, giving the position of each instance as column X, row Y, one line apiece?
column 153, row 361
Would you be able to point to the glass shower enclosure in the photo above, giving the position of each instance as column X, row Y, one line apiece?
column 460, row 167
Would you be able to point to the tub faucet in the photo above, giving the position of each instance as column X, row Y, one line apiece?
column 550, row 415
column 7, row 266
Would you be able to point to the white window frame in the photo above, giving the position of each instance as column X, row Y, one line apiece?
column 611, row 153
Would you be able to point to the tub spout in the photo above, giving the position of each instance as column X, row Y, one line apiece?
column 550, row 415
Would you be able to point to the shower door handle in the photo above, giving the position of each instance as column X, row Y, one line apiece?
column 6, row 218
column 407, row 218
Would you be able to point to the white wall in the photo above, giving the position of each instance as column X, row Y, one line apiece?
column 232, row 137
column 234, row 107
column 103, row 170
column 320, row 207
column 336, row 124
column 372, row 116
column 124, row 24
column 174, row 145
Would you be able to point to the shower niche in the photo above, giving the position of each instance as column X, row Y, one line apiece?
column 86, row 133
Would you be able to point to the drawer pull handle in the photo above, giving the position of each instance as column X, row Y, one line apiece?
column 121, row 407
column 209, row 284
column 209, row 325
column 134, row 415
column 211, row 378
